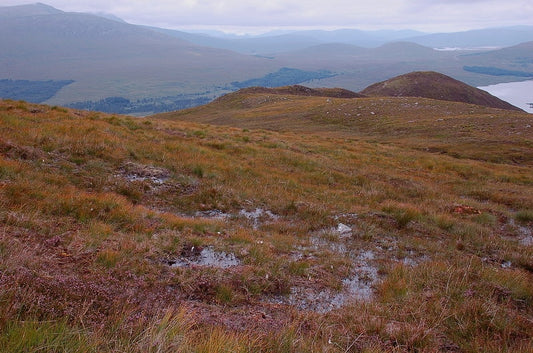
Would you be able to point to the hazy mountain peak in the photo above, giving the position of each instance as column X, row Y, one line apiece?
column 28, row 10
column 109, row 16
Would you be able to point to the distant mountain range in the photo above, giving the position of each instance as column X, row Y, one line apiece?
column 274, row 43
column 108, row 60
column 490, row 38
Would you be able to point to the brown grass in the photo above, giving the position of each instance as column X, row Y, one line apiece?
column 95, row 209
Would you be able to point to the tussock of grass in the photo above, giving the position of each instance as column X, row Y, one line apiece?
column 524, row 216
column 34, row 336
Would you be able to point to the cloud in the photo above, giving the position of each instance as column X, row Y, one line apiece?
column 418, row 14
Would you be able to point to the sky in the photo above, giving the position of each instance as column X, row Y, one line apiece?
column 262, row 15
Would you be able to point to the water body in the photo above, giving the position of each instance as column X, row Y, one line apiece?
column 209, row 258
column 517, row 93
column 467, row 49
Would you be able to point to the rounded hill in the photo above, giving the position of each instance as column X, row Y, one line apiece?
column 429, row 84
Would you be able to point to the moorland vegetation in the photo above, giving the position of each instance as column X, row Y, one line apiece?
column 289, row 223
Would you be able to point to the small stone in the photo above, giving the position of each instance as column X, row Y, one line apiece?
column 54, row 241
column 343, row 229
column 506, row 264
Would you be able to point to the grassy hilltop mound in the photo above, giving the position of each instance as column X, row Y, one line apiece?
column 299, row 90
column 143, row 235
column 436, row 86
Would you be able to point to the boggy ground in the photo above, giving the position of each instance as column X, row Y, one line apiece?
column 142, row 235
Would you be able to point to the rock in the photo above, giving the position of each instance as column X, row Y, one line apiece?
column 343, row 229
column 54, row 241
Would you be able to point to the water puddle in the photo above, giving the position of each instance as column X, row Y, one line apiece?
column 139, row 172
column 320, row 243
column 205, row 257
column 258, row 216
column 413, row 259
column 359, row 286
column 525, row 234
column 332, row 239
column 213, row 214
column 527, row 240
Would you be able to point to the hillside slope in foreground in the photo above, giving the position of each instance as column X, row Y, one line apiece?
column 145, row 235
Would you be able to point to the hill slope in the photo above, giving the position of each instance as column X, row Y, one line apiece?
column 514, row 62
column 135, row 235
column 298, row 90
column 436, row 86
column 107, row 58
column 453, row 128
column 489, row 37
column 36, row 9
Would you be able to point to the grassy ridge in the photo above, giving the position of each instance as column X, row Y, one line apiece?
column 457, row 129
column 96, row 208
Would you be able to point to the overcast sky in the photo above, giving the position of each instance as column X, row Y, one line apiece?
column 424, row 15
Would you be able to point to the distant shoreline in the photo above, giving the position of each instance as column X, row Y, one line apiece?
column 518, row 93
